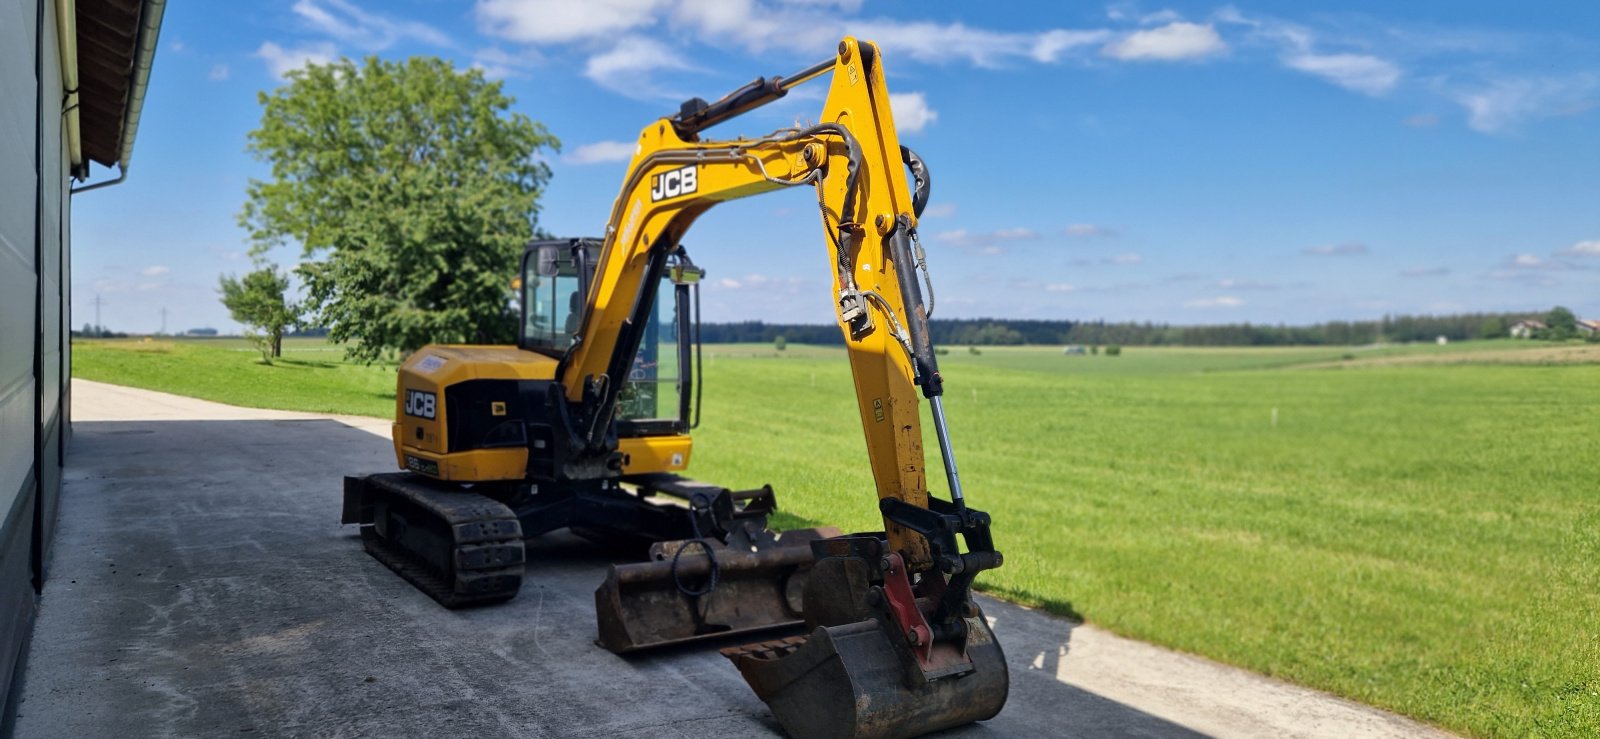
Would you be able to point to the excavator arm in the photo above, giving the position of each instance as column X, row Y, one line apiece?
column 855, row 162
column 897, row 647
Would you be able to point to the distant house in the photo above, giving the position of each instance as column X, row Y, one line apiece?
column 1589, row 326
column 1075, row 349
column 1524, row 329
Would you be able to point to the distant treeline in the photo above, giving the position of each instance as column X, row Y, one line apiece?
column 992, row 331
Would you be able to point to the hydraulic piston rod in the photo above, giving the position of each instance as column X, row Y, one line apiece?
column 949, row 455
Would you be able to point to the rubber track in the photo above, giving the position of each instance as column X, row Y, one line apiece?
column 487, row 538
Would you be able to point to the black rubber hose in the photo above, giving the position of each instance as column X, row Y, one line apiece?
column 919, row 173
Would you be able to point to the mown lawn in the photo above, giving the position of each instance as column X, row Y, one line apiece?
column 1422, row 538
column 310, row 376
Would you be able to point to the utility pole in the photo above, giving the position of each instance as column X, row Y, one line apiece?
column 163, row 321
column 97, row 303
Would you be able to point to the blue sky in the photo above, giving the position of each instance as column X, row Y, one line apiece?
column 1184, row 163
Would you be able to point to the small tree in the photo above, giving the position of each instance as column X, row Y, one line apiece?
column 1560, row 324
column 1113, row 350
column 780, row 343
column 257, row 300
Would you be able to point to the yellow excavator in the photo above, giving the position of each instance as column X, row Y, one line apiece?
column 585, row 425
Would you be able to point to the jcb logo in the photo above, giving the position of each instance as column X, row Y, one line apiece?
column 680, row 181
column 420, row 404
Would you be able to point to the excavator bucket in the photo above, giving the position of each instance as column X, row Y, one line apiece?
column 872, row 666
column 849, row 682
column 682, row 598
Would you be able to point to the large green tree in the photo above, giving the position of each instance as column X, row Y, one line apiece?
column 411, row 190
column 258, row 300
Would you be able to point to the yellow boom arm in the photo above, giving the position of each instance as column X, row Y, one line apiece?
column 854, row 160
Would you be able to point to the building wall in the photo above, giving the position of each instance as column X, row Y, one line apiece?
column 34, row 210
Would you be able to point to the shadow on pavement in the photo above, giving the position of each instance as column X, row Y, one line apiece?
column 202, row 585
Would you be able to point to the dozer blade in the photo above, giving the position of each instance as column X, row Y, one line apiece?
column 853, row 682
column 654, row 604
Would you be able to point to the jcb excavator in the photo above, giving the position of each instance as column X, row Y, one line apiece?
column 585, row 425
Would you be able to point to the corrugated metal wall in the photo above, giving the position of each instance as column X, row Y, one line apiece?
column 34, row 205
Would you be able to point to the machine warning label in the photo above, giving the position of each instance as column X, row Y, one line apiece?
column 420, row 404
column 681, row 181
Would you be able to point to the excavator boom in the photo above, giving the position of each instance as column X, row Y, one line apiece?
column 896, row 645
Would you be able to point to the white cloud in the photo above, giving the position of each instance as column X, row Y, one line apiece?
column 940, row 210
column 218, row 72
column 499, row 64
column 1089, row 230
column 1060, row 287
column 1229, row 283
column 733, row 18
column 731, row 284
column 849, row 6
column 1172, row 42
column 1361, row 73
column 938, row 43
column 1225, row 301
column 1527, row 264
column 1129, row 258
column 1421, row 120
column 281, row 61
column 1051, row 45
column 346, row 22
column 1365, row 73
column 155, row 270
column 1349, row 248
column 911, row 111
column 1504, row 104
column 627, row 67
column 602, row 152
column 985, row 243
column 1160, row 16
column 1583, row 249
column 559, row 21
column 1425, row 272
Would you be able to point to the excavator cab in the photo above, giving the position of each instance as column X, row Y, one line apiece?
column 658, row 398
column 555, row 275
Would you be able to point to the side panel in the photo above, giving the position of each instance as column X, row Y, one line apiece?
column 16, row 582
column 53, row 193
column 19, row 324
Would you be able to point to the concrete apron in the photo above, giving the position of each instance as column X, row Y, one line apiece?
column 202, row 586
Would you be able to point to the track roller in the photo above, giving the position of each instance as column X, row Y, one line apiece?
column 461, row 548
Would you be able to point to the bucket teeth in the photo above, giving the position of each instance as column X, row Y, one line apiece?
column 851, row 682
column 883, row 660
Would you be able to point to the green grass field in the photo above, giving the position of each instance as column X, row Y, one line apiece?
column 1420, row 537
